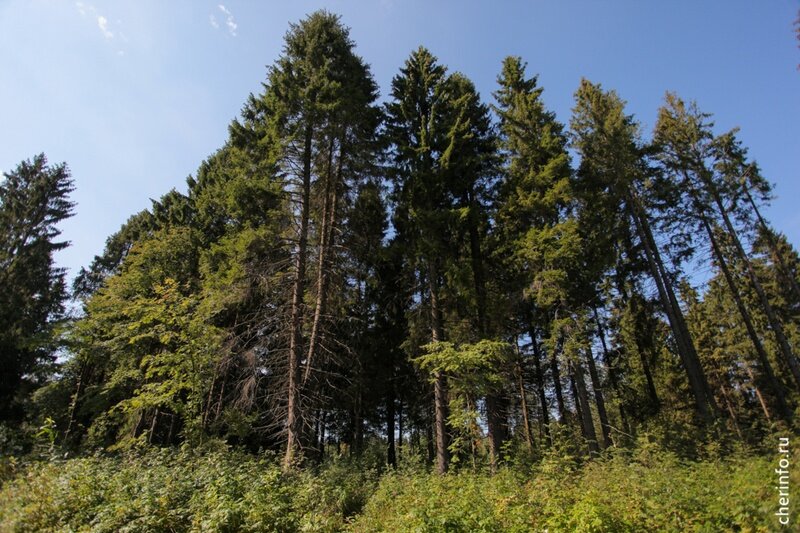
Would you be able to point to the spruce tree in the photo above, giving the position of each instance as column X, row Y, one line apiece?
column 613, row 163
column 421, row 119
column 34, row 199
column 690, row 155
column 320, row 95
column 535, row 237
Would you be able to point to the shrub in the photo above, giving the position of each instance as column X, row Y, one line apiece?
column 649, row 490
column 216, row 489
column 181, row 490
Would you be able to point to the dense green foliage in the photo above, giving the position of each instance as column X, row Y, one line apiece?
column 34, row 198
column 182, row 490
column 647, row 491
column 569, row 316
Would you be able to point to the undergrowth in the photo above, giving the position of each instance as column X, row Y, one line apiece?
column 157, row 490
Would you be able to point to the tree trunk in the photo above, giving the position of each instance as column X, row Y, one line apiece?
column 323, row 428
column 775, row 324
column 391, row 454
column 430, row 441
column 524, row 406
column 494, row 422
column 327, row 234
column 562, row 411
column 704, row 400
column 440, row 399
column 209, row 400
column 786, row 272
column 316, row 436
column 356, row 431
column 598, row 398
column 73, row 407
column 640, row 348
column 171, row 428
column 442, row 441
column 731, row 411
column 585, row 411
column 761, row 401
column 294, row 416
column 763, row 358
column 400, row 428
column 153, row 426
column 537, row 368
column 612, row 372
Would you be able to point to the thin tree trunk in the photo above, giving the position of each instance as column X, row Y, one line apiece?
column 218, row 410
column 598, row 398
column 327, row 234
column 171, row 428
column 430, row 441
column 766, row 366
column 73, row 407
column 209, row 401
column 731, row 411
column 640, row 345
column 761, row 401
column 578, row 408
column 494, row 423
column 475, row 434
column 648, row 374
column 359, row 424
column 294, row 416
column 612, row 372
column 562, row 411
column 440, row 384
column 315, row 436
column 648, row 377
column 323, row 426
column 153, row 426
column 391, row 454
column 524, row 405
column 585, row 411
column 399, row 428
column 774, row 322
column 704, row 400
column 537, row 368
column 778, row 257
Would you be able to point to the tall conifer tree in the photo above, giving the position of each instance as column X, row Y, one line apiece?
column 34, row 199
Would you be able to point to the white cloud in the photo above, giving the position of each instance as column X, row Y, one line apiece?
column 230, row 22
column 102, row 23
column 231, row 26
column 213, row 20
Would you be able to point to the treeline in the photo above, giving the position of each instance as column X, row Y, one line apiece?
column 460, row 280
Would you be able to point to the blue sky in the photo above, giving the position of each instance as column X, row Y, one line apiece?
column 133, row 95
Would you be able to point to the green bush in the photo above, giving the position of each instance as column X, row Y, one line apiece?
column 649, row 490
column 173, row 490
column 156, row 490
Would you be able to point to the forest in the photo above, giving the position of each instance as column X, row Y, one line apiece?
column 439, row 311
